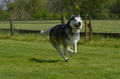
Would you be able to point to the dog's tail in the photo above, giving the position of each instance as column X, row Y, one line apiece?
column 45, row 32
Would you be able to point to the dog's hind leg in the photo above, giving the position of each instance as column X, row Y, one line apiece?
column 57, row 46
column 65, row 49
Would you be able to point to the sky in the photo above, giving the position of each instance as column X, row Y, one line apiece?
column 2, row 3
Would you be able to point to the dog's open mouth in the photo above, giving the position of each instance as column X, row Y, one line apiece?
column 78, row 25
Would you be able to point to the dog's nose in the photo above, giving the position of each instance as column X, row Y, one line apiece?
column 79, row 23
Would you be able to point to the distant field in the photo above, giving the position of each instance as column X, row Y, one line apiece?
column 30, row 25
column 104, row 26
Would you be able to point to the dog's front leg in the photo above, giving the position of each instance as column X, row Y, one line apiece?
column 69, row 50
column 74, row 49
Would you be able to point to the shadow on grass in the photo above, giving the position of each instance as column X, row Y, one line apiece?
column 43, row 61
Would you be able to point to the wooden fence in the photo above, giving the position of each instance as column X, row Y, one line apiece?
column 88, row 33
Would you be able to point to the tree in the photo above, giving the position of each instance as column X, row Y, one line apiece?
column 85, row 7
column 57, row 8
column 17, row 9
column 72, row 6
column 118, row 7
column 25, row 8
column 35, row 5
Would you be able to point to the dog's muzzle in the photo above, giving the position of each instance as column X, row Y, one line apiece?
column 78, row 25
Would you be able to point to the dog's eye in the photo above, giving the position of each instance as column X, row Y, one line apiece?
column 74, row 19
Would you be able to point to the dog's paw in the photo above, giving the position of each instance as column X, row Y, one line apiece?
column 66, row 59
column 72, row 54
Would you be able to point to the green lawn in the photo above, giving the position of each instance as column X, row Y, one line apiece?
column 23, row 59
column 104, row 26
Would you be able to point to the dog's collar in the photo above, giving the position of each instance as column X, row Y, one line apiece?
column 75, row 33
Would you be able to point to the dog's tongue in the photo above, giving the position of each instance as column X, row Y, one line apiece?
column 78, row 26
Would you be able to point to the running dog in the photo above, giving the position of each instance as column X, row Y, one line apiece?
column 65, row 34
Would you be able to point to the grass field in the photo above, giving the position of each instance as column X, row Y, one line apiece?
column 31, row 56
column 104, row 26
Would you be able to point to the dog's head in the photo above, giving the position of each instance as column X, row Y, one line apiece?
column 75, row 22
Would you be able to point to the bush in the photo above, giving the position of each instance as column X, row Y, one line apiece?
column 119, row 15
column 44, row 14
column 4, row 15
column 99, row 15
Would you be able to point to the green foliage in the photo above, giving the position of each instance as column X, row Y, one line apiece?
column 34, row 6
column 45, row 14
column 25, row 8
column 52, row 9
column 11, row 6
column 99, row 15
column 4, row 15
column 55, row 16
column 42, row 15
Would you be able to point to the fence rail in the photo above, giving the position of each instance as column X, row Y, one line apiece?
column 116, row 35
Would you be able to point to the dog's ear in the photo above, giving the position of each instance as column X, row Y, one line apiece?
column 72, row 16
column 78, row 15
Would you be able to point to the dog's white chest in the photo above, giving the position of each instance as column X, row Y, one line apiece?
column 73, row 39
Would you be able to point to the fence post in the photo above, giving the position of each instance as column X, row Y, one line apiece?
column 11, row 27
column 90, row 29
column 85, row 29
column 63, row 19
